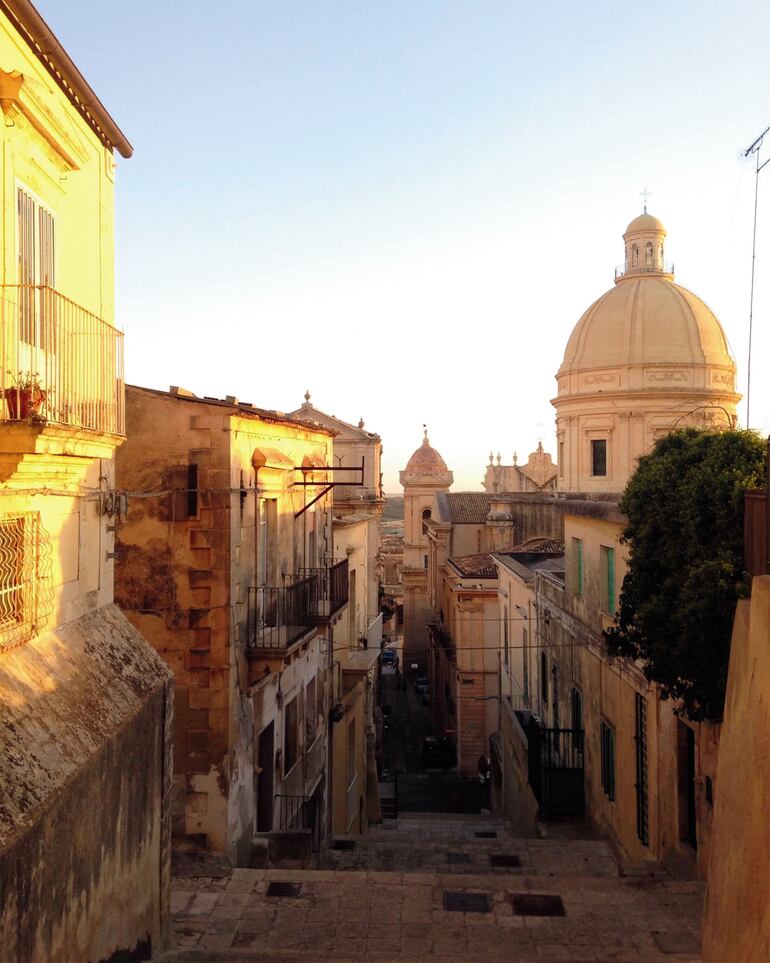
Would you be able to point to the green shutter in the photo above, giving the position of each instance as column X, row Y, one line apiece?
column 611, row 581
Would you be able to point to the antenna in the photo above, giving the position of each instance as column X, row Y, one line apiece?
column 753, row 148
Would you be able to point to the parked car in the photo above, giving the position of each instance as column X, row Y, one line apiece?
column 438, row 752
column 389, row 657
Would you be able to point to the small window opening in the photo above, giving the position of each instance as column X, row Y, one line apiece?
column 599, row 457
column 192, row 491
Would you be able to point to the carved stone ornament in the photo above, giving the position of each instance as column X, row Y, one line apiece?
column 660, row 376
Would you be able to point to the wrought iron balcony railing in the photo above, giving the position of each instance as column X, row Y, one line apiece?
column 59, row 362
column 657, row 267
column 278, row 617
column 330, row 588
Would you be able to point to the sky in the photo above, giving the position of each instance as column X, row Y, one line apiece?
column 405, row 207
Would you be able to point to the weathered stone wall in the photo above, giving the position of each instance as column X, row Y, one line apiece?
column 737, row 920
column 517, row 799
column 84, row 794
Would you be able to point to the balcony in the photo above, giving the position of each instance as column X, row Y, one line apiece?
column 279, row 617
column 657, row 267
column 59, row 363
column 329, row 592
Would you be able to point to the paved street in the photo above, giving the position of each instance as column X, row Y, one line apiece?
column 401, row 913
column 436, row 886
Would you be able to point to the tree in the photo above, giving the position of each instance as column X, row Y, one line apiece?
column 684, row 506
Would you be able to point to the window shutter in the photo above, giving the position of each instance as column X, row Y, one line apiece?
column 611, row 603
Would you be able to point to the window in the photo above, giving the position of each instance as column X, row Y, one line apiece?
column 648, row 254
column 425, row 517
column 635, row 255
column 24, row 597
column 599, row 457
column 640, row 737
column 576, row 708
column 290, row 741
column 544, row 678
column 36, row 268
column 425, row 562
column 608, row 760
column 607, row 578
column 577, row 566
column 505, row 635
column 555, row 696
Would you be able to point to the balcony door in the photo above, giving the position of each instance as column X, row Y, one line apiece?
column 36, row 274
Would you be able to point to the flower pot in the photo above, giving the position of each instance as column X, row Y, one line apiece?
column 24, row 402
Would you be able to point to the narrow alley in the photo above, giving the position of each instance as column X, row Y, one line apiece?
column 437, row 885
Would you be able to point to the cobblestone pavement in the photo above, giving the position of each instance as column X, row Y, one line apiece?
column 399, row 913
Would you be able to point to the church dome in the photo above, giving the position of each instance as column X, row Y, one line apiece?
column 646, row 320
column 645, row 358
column 645, row 222
column 426, row 461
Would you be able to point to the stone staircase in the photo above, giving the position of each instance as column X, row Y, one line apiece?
column 431, row 887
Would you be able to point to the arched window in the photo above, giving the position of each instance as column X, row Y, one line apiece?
column 634, row 255
column 425, row 517
column 648, row 254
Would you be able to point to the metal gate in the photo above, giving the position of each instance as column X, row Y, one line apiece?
column 297, row 813
column 556, row 770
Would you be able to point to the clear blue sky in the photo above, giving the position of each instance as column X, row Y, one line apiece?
column 405, row 207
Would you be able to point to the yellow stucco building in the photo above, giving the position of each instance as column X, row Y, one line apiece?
column 85, row 703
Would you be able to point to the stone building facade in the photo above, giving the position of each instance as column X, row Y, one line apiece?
column 224, row 561
column 358, row 502
column 647, row 357
column 85, row 703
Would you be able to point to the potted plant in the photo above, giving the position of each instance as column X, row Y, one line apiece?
column 26, row 398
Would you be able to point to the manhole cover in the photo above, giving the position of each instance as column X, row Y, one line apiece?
column 346, row 844
column 290, row 890
column 485, row 834
column 458, row 858
column 507, row 860
column 537, row 904
column 467, row 903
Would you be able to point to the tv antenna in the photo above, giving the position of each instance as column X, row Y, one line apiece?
column 754, row 148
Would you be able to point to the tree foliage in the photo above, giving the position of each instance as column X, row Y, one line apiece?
column 684, row 506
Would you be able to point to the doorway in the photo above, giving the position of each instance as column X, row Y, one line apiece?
column 688, row 830
column 264, row 779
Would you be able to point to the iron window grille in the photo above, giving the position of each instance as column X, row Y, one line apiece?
column 642, row 798
column 608, row 760
column 25, row 578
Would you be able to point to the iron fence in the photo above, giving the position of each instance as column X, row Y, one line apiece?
column 277, row 617
column 555, row 758
column 330, row 587
column 298, row 814
column 59, row 362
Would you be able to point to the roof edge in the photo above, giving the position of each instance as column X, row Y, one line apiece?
column 47, row 48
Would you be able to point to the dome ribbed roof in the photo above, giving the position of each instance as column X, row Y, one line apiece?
column 426, row 460
column 646, row 320
column 645, row 222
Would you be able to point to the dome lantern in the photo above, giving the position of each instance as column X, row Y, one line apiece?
column 644, row 239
